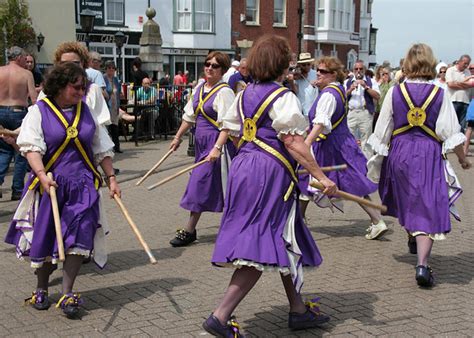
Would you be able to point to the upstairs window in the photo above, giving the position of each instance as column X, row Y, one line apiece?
column 115, row 12
column 194, row 15
column 252, row 8
column 279, row 12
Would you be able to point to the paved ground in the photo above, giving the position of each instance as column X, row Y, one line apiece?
column 367, row 287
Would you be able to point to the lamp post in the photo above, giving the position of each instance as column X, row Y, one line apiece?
column 87, row 23
column 40, row 41
column 119, row 41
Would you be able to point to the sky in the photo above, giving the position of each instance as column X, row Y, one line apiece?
column 447, row 26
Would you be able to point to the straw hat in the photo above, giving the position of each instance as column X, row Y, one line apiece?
column 305, row 58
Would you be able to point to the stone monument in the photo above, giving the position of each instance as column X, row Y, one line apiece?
column 150, row 46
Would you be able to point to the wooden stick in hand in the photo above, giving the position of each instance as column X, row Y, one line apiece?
column 338, row 167
column 135, row 229
column 57, row 220
column 155, row 167
column 8, row 132
column 350, row 197
column 179, row 173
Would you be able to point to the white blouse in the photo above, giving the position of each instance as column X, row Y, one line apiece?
column 286, row 114
column 31, row 137
column 222, row 102
column 326, row 107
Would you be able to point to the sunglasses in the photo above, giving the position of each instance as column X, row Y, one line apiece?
column 384, row 73
column 443, row 71
column 78, row 87
column 323, row 71
column 212, row 65
column 358, row 68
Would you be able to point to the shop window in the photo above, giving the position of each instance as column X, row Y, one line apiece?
column 115, row 12
column 194, row 15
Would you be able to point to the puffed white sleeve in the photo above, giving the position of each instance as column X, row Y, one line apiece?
column 287, row 116
column 188, row 114
column 231, row 119
column 102, row 145
column 447, row 126
column 224, row 99
column 324, row 110
column 97, row 104
column 31, row 136
column 382, row 134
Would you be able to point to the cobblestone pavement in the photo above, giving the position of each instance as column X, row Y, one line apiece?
column 368, row 287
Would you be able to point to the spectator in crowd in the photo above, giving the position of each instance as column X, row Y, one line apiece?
column 305, row 82
column 137, row 73
column 470, row 114
column 165, row 80
column 361, row 92
column 458, row 80
column 384, row 84
column 441, row 75
column 234, row 68
column 146, row 94
column 37, row 76
column 186, row 77
column 178, row 79
column 94, row 73
column 239, row 80
column 113, row 89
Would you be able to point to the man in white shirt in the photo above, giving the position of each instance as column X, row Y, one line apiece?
column 234, row 68
column 305, row 82
column 93, row 72
column 458, row 81
column 361, row 92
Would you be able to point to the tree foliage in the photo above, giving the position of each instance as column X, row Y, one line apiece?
column 15, row 24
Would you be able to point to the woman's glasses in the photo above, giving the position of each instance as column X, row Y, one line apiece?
column 323, row 71
column 212, row 65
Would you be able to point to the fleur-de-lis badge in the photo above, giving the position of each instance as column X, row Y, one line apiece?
column 71, row 132
column 416, row 117
column 250, row 130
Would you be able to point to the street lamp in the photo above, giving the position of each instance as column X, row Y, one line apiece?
column 119, row 41
column 40, row 41
column 87, row 23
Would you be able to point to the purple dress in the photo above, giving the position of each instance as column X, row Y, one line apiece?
column 412, row 182
column 204, row 191
column 77, row 195
column 257, row 218
column 340, row 147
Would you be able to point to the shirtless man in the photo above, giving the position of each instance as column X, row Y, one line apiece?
column 17, row 84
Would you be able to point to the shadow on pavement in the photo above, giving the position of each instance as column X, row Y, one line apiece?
column 455, row 269
column 352, row 228
column 339, row 306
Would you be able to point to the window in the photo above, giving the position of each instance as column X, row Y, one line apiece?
column 320, row 13
column 364, row 42
column 340, row 14
column 252, row 11
column 115, row 9
column 279, row 12
column 194, row 15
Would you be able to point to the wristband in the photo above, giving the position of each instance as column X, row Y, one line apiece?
column 218, row 147
column 110, row 176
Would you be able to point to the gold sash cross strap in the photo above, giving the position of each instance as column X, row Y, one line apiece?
column 339, row 121
column 416, row 116
column 250, row 135
column 200, row 107
column 71, row 134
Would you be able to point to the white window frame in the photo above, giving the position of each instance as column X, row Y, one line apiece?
column 321, row 13
column 122, row 9
column 190, row 12
column 256, row 22
column 283, row 13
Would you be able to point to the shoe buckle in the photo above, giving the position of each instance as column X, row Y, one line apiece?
column 314, row 305
column 234, row 326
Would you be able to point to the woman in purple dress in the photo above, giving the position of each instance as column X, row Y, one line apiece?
column 416, row 128
column 205, row 190
column 332, row 143
column 60, row 135
column 261, row 228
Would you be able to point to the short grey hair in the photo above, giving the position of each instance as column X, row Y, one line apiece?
column 14, row 52
column 95, row 55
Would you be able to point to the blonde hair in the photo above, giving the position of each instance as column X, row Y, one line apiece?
column 420, row 62
column 72, row 47
column 334, row 65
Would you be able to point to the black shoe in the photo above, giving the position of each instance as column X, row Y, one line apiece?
column 70, row 303
column 313, row 317
column 38, row 300
column 16, row 195
column 412, row 245
column 116, row 171
column 214, row 327
column 183, row 238
column 424, row 276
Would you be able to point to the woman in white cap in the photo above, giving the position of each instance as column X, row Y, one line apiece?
column 234, row 68
column 440, row 80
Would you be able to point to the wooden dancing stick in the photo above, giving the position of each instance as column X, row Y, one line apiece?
column 338, row 167
column 8, row 132
column 135, row 229
column 179, row 173
column 57, row 220
column 350, row 197
column 155, row 167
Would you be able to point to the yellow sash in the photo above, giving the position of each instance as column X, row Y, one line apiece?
column 338, row 122
column 71, row 134
column 250, row 136
column 417, row 115
column 200, row 107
